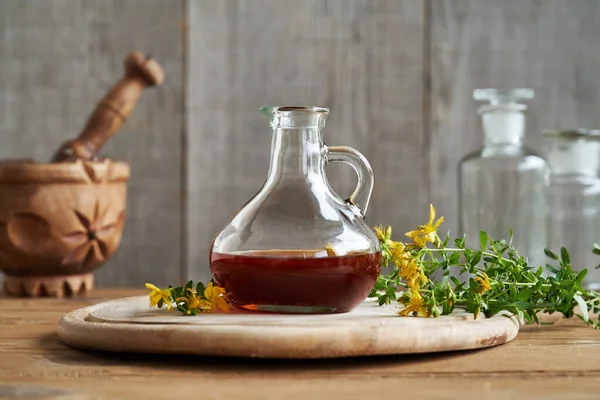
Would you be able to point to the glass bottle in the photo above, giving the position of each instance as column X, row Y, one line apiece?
column 502, row 187
column 296, row 246
column 574, row 197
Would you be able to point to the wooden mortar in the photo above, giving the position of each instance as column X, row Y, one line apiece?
column 61, row 220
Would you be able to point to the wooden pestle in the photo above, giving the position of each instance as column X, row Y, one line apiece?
column 113, row 110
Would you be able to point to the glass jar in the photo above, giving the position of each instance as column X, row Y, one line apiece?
column 574, row 197
column 502, row 186
column 296, row 246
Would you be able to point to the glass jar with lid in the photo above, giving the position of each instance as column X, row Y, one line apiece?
column 502, row 186
column 574, row 197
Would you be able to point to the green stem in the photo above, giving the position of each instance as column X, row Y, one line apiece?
column 524, row 284
column 483, row 253
column 383, row 277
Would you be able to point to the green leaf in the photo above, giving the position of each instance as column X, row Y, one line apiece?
column 581, row 275
column 596, row 249
column 524, row 294
column 552, row 268
column 446, row 309
column 550, row 254
column 444, row 282
column 460, row 243
column 189, row 285
column 582, row 306
column 379, row 285
column 390, row 292
column 522, row 305
column 475, row 259
column 200, row 289
column 454, row 258
column 483, row 239
column 564, row 256
column 468, row 254
column 445, row 243
column 535, row 319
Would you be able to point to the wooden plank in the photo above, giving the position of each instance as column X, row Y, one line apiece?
column 556, row 362
column 551, row 46
column 362, row 59
column 355, row 333
column 323, row 387
column 262, row 387
column 58, row 59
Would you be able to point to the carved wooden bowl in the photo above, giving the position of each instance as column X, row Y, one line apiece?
column 59, row 222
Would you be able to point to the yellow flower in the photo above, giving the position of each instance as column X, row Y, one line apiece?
column 157, row 294
column 194, row 302
column 216, row 298
column 384, row 236
column 426, row 233
column 399, row 254
column 413, row 275
column 483, row 283
column 414, row 305
column 410, row 272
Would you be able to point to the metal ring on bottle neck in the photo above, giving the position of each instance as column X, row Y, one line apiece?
column 297, row 116
column 310, row 109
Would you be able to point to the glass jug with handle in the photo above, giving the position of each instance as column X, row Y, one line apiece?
column 296, row 246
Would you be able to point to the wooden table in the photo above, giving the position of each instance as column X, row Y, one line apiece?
column 558, row 362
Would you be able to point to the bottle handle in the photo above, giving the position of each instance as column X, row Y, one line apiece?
column 362, row 194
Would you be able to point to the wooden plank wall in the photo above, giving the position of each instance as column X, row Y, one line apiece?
column 398, row 76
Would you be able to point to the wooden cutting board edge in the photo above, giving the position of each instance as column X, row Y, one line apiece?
column 284, row 342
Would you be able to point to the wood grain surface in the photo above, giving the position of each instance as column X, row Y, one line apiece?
column 557, row 362
column 129, row 325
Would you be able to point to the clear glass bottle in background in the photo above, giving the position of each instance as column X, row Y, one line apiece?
column 503, row 185
column 574, row 197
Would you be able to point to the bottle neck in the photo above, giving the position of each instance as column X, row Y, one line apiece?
column 503, row 126
column 296, row 154
column 576, row 158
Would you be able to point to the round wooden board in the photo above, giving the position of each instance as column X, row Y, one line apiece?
column 129, row 325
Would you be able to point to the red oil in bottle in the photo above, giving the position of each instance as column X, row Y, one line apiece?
column 288, row 281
